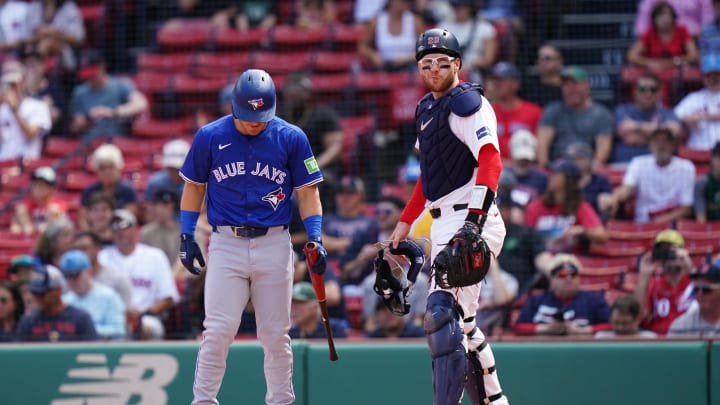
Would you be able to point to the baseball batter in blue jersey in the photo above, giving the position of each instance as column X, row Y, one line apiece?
column 247, row 166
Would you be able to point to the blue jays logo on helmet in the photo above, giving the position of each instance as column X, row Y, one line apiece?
column 274, row 197
column 253, row 97
column 257, row 103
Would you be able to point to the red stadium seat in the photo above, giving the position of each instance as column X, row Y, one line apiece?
column 165, row 62
column 15, row 183
column 147, row 127
column 232, row 39
column 331, row 88
column 695, row 155
column 620, row 248
column 608, row 274
column 345, row 37
column 290, row 38
column 630, row 230
column 330, row 62
column 196, row 93
column 614, row 174
column 282, row 63
column 357, row 142
column 60, row 147
column 180, row 34
column 151, row 82
column 143, row 147
column 78, row 181
column 221, row 64
column 608, row 261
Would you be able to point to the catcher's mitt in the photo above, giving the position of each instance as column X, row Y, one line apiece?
column 464, row 261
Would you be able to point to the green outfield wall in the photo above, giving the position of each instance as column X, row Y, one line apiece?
column 382, row 373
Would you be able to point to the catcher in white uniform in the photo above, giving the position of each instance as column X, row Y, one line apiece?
column 460, row 167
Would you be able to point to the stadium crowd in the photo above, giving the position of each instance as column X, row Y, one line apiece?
column 612, row 209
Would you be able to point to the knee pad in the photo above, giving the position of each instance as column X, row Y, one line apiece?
column 442, row 325
column 445, row 340
column 483, row 386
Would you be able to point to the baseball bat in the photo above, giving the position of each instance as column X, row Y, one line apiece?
column 318, row 283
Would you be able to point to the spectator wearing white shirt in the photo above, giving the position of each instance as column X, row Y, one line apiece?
column 25, row 120
column 661, row 182
column 102, row 302
column 699, row 111
column 154, row 291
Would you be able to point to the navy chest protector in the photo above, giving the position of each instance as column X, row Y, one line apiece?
column 446, row 163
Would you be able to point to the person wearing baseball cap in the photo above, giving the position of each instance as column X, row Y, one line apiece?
column 562, row 215
column 513, row 113
column 173, row 156
column 698, row 110
column 103, row 105
column 704, row 318
column 666, row 297
column 41, row 207
column 596, row 187
column 306, row 318
column 104, row 305
column 53, row 320
column 162, row 225
column 577, row 118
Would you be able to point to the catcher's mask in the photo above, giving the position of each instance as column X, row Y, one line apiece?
column 396, row 271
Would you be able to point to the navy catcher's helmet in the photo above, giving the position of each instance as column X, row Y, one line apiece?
column 437, row 40
column 253, row 97
column 396, row 271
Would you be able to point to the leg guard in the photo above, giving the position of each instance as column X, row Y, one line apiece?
column 445, row 339
column 483, row 386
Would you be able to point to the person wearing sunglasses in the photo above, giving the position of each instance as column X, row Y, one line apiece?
column 460, row 166
column 564, row 309
column 102, row 302
column 53, row 320
column 703, row 319
column 635, row 120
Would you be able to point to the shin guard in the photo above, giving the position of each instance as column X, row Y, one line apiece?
column 482, row 386
column 445, row 339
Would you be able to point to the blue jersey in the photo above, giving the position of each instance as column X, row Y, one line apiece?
column 250, row 179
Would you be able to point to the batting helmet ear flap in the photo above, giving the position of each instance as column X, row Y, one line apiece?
column 414, row 253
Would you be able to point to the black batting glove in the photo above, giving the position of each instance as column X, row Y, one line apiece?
column 189, row 251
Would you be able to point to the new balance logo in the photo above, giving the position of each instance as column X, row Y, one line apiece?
column 221, row 147
column 140, row 377
column 425, row 124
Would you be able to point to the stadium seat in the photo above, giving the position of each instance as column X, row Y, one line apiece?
column 331, row 88
column 357, row 142
column 32, row 164
column 620, row 248
column 147, row 127
column 606, row 274
column 229, row 39
column 78, row 181
column 334, row 62
column 165, row 62
column 151, row 82
column 614, row 174
column 57, row 147
column 283, row 63
column 193, row 93
column 183, row 34
column 630, row 230
column 345, row 37
column 630, row 262
column 696, row 156
column 14, row 183
column 225, row 65
column 290, row 38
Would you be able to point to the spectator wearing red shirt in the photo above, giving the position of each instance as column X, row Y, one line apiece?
column 665, row 44
column 561, row 215
column 564, row 309
column 512, row 112
column 667, row 295
column 41, row 207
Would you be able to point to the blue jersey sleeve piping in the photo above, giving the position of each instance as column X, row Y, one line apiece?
column 315, row 181
column 191, row 180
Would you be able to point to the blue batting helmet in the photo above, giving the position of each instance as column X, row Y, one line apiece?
column 437, row 40
column 253, row 97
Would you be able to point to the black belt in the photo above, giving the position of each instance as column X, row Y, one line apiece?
column 248, row 232
column 435, row 212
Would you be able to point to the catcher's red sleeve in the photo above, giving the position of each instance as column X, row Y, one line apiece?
column 415, row 205
column 490, row 167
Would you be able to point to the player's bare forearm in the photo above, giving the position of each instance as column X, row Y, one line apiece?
column 192, row 197
column 309, row 201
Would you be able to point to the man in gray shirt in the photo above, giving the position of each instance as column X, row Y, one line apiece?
column 703, row 319
column 577, row 118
